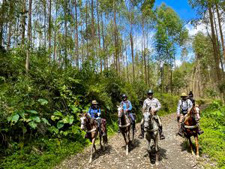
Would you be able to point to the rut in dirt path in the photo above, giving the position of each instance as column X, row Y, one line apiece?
column 173, row 153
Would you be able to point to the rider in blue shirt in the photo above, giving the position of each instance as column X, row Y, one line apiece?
column 126, row 104
column 94, row 111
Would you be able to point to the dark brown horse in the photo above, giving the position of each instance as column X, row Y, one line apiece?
column 91, row 127
column 190, row 129
column 125, row 127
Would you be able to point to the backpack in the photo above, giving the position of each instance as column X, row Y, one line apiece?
column 184, row 106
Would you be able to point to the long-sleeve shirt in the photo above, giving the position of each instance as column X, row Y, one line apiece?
column 151, row 103
column 126, row 105
column 184, row 106
column 94, row 112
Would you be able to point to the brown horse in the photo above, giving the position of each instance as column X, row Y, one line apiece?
column 190, row 129
column 91, row 127
column 125, row 127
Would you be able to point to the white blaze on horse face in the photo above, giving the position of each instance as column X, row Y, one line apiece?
column 119, row 111
column 83, row 125
column 146, row 119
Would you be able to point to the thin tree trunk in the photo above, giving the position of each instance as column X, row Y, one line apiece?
column 103, row 44
column 10, row 24
column 214, row 42
column 115, row 36
column 76, row 35
column 87, row 29
column 66, row 32
column 29, row 33
column 50, row 27
column 99, row 38
column 23, row 23
column 221, row 32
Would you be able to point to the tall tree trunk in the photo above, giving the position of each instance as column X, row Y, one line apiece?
column 45, row 22
column 66, row 32
column 10, row 25
column 23, row 23
column 50, row 27
column 2, row 20
column 99, row 38
column 214, row 42
column 132, row 52
column 76, row 35
column 103, row 44
column 86, row 19
column 221, row 32
column 218, row 45
column 115, row 36
column 29, row 33
column 55, row 33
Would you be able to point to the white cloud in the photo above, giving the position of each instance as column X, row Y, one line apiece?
column 178, row 63
column 193, row 30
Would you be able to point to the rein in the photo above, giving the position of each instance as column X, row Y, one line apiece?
column 122, row 126
column 92, row 130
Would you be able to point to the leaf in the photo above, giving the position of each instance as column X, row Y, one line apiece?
column 32, row 111
column 15, row 118
column 60, row 124
column 53, row 129
column 71, row 119
column 43, row 101
column 57, row 113
column 54, row 118
column 36, row 119
column 45, row 121
column 32, row 124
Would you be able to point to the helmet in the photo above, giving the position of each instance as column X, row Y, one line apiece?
column 150, row 92
column 190, row 94
column 124, row 96
column 183, row 95
column 94, row 102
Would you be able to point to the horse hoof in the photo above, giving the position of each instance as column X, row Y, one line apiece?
column 197, row 156
column 157, row 163
column 90, row 161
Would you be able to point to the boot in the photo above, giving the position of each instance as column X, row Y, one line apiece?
column 119, row 121
column 180, row 132
column 200, row 131
column 162, row 137
column 141, row 136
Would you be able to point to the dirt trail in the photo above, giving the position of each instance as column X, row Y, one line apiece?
column 173, row 153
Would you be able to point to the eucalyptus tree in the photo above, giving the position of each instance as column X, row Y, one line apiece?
column 170, row 34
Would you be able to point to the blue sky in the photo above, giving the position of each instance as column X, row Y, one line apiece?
column 181, row 7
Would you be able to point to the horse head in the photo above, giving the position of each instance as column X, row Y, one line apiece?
column 84, row 118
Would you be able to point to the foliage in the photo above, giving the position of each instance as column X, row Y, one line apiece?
column 213, row 140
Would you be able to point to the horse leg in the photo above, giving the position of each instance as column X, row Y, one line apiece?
column 100, row 136
column 191, row 146
column 156, row 141
column 92, row 147
column 197, row 146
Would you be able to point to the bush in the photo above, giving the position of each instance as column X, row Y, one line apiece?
column 213, row 139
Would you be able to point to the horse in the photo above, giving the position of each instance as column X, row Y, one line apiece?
column 151, row 133
column 125, row 127
column 92, row 129
column 190, row 128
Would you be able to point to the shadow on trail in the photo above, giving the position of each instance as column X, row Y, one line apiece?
column 152, row 154
column 135, row 144
column 185, row 146
column 99, row 152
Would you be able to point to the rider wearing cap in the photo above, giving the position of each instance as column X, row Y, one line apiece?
column 184, row 106
column 127, row 107
column 154, row 105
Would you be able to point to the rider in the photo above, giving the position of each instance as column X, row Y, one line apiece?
column 127, row 107
column 153, row 104
column 191, row 97
column 95, row 113
column 184, row 106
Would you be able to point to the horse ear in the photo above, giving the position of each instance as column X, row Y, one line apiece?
column 80, row 115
